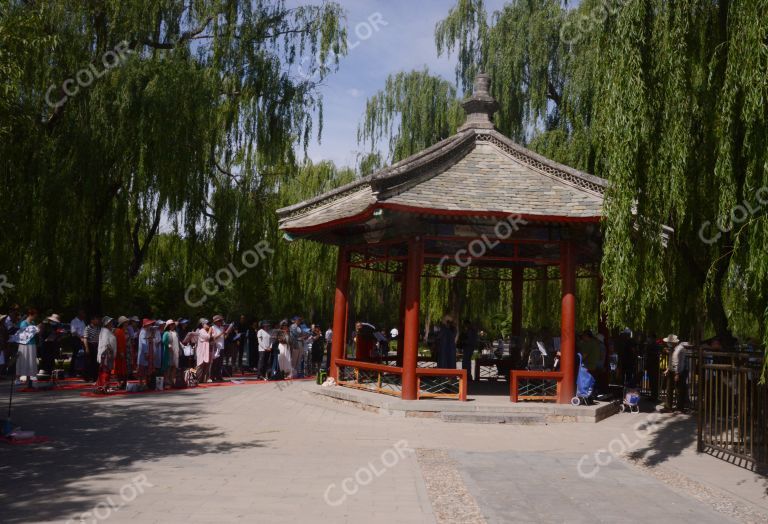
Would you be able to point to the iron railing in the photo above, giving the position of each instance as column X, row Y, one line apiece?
column 732, row 407
column 379, row 378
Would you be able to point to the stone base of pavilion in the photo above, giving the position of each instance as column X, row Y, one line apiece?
column 480, row 409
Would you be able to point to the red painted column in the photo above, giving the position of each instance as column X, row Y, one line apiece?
column 340, row 308
column 401, row 318
column 517, row 300
column 411, row 322
column 567, row 322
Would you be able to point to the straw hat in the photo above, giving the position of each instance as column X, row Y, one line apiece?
column 54, row 318
column 107, row 320
column 134, row 319
column 203, row 321
column 672, row 339
column 217, row 318
column 121, row 320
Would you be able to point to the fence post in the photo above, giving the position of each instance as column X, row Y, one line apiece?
column 700, row 402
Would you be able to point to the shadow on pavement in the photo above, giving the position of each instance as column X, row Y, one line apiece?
column 92, row 438
column 672, row 436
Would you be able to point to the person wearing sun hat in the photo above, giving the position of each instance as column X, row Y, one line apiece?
column 676, row 373
column 105, row 355
column 121, row 353
column 170, row 352
column 203, row 351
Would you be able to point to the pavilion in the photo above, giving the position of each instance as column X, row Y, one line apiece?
column 475, row 198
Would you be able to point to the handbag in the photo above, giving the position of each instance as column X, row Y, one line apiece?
column 188, row 350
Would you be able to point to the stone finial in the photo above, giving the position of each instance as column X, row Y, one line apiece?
column 481, row 106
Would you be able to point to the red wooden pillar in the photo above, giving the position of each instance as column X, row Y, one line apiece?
column 411, row 322
column 568, row 322
column 340, row 308
column 401, row 319
column 517, row 300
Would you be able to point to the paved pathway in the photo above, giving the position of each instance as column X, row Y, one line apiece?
column 277, row 454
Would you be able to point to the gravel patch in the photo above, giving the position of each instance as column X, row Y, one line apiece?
column 716, row 499
column 451, row 501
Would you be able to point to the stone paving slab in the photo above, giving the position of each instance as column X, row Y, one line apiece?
column 263, row 453
column 389, row 405
column 547, row 488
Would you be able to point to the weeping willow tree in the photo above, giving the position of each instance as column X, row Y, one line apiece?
column 666, row 101
column 121, row 120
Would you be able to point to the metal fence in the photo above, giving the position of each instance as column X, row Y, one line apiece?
column 725, row 391
column 732, row 407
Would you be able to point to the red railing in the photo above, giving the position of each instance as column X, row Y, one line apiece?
column 544, row 376
column 433, row 391
column 378, row 378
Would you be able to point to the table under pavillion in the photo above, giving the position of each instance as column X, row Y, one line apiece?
column 476, row 199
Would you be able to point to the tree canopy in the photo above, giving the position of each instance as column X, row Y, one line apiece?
column 666, row 101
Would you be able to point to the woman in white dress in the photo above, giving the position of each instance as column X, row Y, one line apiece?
column 284, row 346
column 106, row 353
column 203, row 352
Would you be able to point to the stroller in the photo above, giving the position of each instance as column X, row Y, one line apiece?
column 630, row 400
column 585, row 386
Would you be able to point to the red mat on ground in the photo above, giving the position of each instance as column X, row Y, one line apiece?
column 25, row 441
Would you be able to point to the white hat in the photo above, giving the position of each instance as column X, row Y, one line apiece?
column 671, row 339
column 394, row 333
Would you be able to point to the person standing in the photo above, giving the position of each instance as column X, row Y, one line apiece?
column 265, row 348
column 328, row 342
column 49, row 336
column 365, row 341
column 446, row 344
column 218, row 339
column 170, row 353
column 121, row 352
column 676, row 374
column 240, row 345
column 297, row 338
column 284, row 359
column 469, row 345
column 77, row 328
column 26, row 361
column 203, row 351
column 91, row 345
column 105, row 356
column 145, row 352
column 318, row 348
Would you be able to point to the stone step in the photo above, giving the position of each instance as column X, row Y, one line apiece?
column 524, row 419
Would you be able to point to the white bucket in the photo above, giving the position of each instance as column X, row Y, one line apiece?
column 159, row 383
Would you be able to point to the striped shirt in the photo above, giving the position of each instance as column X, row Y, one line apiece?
column 92, row 334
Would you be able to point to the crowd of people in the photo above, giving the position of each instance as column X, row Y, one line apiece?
column 180, row 352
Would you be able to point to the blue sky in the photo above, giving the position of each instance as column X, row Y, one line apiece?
column 406, row 42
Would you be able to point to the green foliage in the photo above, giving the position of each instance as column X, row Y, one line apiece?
column 188, row 135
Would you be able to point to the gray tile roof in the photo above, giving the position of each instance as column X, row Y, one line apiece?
column 489, row 180
column 478, row 170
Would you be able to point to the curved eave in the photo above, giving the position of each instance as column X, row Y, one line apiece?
column 368, row 213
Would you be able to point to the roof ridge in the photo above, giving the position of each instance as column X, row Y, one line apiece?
column 581, row 179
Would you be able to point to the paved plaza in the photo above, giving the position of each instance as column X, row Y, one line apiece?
column 269, row 453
